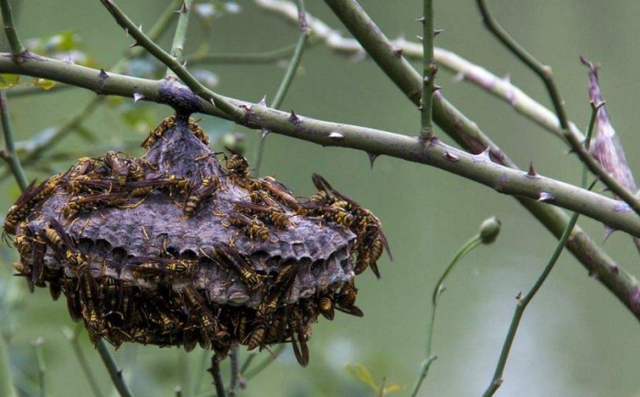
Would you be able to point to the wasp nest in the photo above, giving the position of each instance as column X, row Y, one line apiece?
column 173, row 249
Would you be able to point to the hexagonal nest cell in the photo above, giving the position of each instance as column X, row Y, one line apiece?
column 173, row 249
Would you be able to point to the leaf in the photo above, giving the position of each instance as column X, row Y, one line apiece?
column 45, row 84
column 361, row 373
column 9, row 80
column 392, row 389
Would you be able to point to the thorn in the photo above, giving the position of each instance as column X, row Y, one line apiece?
column 184, row 9
column 420, row 108
column 451, row 157
column 213, row 103
column 293, row 117
column 485, row 154
column 398, row 52
column 137, row 96
column 458, row 77
column 519, row 296
column 263, row 101
column 545, row 196
column 265, row 132
column 436, row 32
column 419, row 38
column 336, row 136
column 608, row 231
column 140, row 28
column 135, row 44
column 532, row 173
column 421, row 19
column 426, row 80
column 436, row 88
column 372, row 158
column 184, row 65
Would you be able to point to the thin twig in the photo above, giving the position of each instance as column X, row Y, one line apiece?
column 7, row 387
column 196, row 380
column 467, row 134
column 521, row 306
column 180, row 70
column 288, row 77
column 177, row 48
column 247, row 363
column 234, row 358
column 72, row 336
column 35, row 151
column 114, row 372
column 241, row 58
column 429, row 70
column 544, row 72
column 10, row 151
column 217, row 376
column 17, row 49
column 265, row 363
column 437, row 292
column 42, row 368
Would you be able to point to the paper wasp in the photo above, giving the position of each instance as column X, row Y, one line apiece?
column 278, row 218
column 156, row 266
column 225, row 256
column 207, row 188
column 250, row 226
column 30, row 197
column 91, row 203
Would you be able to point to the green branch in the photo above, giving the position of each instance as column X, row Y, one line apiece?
column 241, row 58
column 234, row 358
column 288, row 77
column 177, row 48
column 544, row 72
column 497, row 380
column 9, row 152
column 82, row 359
column 17, row 49
column 479, row 168
column 172, row 63
column 488, row 233
column 265, row 363
column 7, row 387
column 216, row 374
column 466, row 133
column 42, row 368
column 511, row 181
column 114, row 372
column 429, row 70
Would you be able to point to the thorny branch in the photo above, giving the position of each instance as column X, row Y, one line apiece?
column 180, row 36
column 476, row 167
column 522, row 304
column 114, row 372
column 9, row 152
column 544, row 72
column 288, row 77
column 17, row 49
column 429, row 70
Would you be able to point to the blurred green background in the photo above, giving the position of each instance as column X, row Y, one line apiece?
column 576, row 339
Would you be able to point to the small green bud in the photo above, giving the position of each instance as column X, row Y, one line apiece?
column 489, row 230
column 234, row 141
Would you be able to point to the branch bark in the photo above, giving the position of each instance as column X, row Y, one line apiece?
column 476, row 167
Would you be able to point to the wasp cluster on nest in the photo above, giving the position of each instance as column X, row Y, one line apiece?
column 173, row 249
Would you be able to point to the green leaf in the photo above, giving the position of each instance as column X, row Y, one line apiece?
column 361, row 373
column 9, row 80
column 392, row 389
column 45, row 84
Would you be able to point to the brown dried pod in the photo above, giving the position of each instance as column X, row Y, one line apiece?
column 173, row 249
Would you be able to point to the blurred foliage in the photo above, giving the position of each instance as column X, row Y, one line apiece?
column 574, row 330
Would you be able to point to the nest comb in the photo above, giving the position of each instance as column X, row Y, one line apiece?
column 173, row 249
